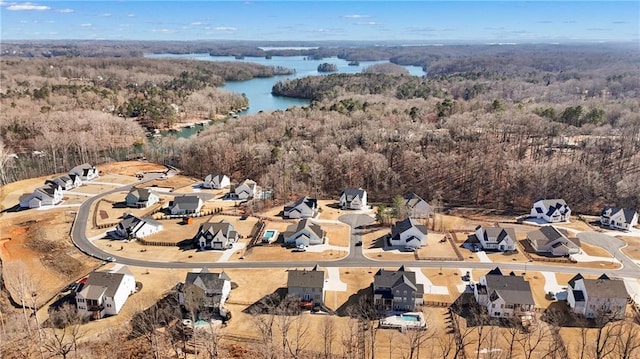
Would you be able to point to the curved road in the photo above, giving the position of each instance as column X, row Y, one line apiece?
column 355, row 257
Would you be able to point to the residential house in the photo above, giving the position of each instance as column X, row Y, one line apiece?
column 496, row 238
column 247, row 189
column 76, row 179
column 397, row 290
column 307, row 284
column 187, row 204
column 65, row 182
column 105, row 292
column 86, row 171
column 48, row 195
column 408, row 233
column 417, row 207
column 619, row 218
column 132, row 227
column 593, row 298
column 304, row 233
column 351, row 198
column 205, row 290
column 216, row 181
column 220, row 235
column 551, row 210
column 548, row 240
column 304, row 207
column 504, row 296
column 141, row 198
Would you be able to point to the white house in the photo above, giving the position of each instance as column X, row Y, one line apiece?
column 141, row 198
column 205, row 290
column 65, row 182
column 187, row 204
column 597, row 297
column 504, row 296
column 86, row 171
column 219, row 235
column 496, row 238
column 351, row 198
column 305, row 233
column 408, row 233
column 304, row 207
column 245, row 190
column 417, row 207
column 48, row 195
column 619, row 218
column 551, row 241
column 551, row 210
column 216, row 181
column 104, row 293
column 308, row 285
column 131, row 227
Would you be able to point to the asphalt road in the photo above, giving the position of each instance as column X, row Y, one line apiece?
column 355, row 257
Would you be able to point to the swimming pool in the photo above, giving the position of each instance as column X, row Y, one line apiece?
column 269, row 234
column 409, row 318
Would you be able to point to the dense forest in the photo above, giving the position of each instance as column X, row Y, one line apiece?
column 489, row 126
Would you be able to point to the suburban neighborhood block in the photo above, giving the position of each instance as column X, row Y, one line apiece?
column 549, row 240
column 105, row 292
column 504, row 296
column 551, row 210
column 602, row 297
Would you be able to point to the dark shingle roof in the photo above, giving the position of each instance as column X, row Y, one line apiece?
column 307, row 201
column 498, row 232
column 627, row 214
column 406, row 224
column 103, row 283
column 207, row 281
column 305, row 278
column 213, row 228
column 513, row 289
column 351, row 193
column 389, row 279
column 306, row 223
column 186, row 202
column 129, row 221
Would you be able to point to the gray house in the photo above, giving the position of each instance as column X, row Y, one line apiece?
column 205, row 290
column 548, row 240
column 352, row 198
column 504, row 295
column 397, row 290
column 304, row 207
column 308, row 285
column 417, row 207
column 595, row 297
column 304, row 233
column 187, row 204
column 219, row 235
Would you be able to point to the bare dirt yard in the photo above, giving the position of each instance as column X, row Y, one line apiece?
column 130, row 168
column 632, row 250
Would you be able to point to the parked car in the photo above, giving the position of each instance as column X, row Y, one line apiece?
column 300, row 248
column 110, row 259
column 409, row 249
column 358, row 243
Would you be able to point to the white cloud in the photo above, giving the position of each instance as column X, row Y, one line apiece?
column 28, row 7
column 369, row 23
column 106, row 14
column 196, row 23
column 86, row 25
column 131, row 15
column 225, row 28
column 355, row 16
column 164, row 31
column 65, row 11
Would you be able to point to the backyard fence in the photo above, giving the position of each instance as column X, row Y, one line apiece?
column 156, row 243
column 436, row 304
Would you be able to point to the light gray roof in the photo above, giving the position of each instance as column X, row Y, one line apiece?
column 389, row 279
column 216, row 179
column 548, row 234
column 499, row 232
column 225, row 227
column 207, row 281
column 513, row 289
column 102, row 284
column 186, row 202
column 605, row 288
column 413, row 199
column 82, row 169
column 351, row 193
column 308, row 224
column 305, row 278
column 142, row 194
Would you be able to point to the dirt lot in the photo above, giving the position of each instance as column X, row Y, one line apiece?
column 445, row 277
column 632, row 250
column 130, row 168
column 176, row 183
column 595, row 250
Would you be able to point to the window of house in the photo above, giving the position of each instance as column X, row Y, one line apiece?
column 108, row 305
column 493, row 305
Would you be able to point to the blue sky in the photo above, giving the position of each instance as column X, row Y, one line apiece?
column 422, row 22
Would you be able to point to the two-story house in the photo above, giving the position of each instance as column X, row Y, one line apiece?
column 205, row 291
column 48, row 195
column 595, row 298
column 496, row 238
column 618, row 218
column 549, row 240
column 220, row 235
column 303, row 207
column 218, row 181
column 186, row 204
column 308, row 285
column 352, row 198
column 408, row 233
column 132, row 227
column 86, row 171
column 551, row 210
column 504, row 296
column 141, row 198
column 105, row 292
column 417, row 207
column 397, row 290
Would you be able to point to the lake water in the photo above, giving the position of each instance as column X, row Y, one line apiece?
column 258, row 90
